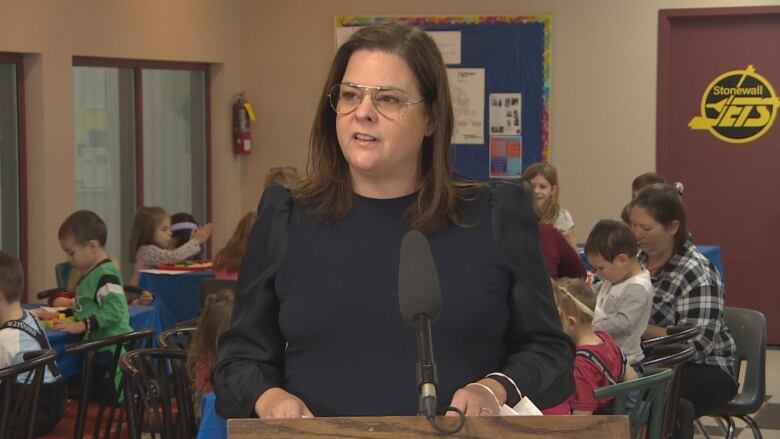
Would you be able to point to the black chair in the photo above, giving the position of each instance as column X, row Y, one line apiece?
column 158, row 377
column 749, row 330
column 675, row 334
column 20, row 399
column 110, row 404
column 671, row 356
column 191, row 323
column 212, row 285
column 178, row 338
column 671, row 351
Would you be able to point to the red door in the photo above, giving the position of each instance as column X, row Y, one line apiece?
column 731, row 171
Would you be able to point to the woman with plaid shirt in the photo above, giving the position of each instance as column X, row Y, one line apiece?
column 688, row 291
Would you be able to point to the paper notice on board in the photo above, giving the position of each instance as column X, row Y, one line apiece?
column 505, row 114
column 467, row 88
column 506, row 156
column 449, row 45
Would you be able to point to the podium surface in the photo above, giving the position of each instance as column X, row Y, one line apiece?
column 581, row 427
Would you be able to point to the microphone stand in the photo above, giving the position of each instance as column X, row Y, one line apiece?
column 427, row 378
column 426, row 369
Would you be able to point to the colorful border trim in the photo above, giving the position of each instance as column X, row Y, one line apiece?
column 546, row 20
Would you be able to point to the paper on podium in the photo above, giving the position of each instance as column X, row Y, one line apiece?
column 523, row 408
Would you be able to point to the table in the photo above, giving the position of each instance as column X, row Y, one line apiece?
column 141, row 316
column 212, row 426
column 711, row 252
column 176, row 296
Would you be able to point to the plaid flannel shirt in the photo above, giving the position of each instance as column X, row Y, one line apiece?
column 689, row 291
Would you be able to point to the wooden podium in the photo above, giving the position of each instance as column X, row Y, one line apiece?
column 581, row 427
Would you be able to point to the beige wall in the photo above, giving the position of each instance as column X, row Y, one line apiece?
column 51, row 32
column 278, row 51
column 603, row 83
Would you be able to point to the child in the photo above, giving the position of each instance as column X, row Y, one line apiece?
column 182, row 225
column 202, row 355
column 20, row 332
column 646, row 179
column 285, row 175
column 544, row 183
column 599, row 361
column 625, row 293
column 100, row 305
column 151, row 237
column 228, row 260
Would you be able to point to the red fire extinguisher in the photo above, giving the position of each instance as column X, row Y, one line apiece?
column 243, row 116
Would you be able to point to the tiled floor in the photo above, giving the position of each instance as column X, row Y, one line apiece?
column 768, row 417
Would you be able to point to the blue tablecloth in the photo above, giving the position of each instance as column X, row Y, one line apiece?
column 177, row 296
column 711, row 252
column 140, row 317
column 212, row 426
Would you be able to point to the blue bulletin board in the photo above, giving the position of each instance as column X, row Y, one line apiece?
column 514, row 54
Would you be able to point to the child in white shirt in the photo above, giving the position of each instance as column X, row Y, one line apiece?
column 624, row 294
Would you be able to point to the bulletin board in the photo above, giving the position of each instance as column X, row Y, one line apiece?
column 498, row 66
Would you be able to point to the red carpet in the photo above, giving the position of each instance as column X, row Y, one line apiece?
column 67, row 424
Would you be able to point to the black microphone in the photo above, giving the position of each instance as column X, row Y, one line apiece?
column 419, row 297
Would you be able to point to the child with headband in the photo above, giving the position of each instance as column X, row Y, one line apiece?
column 599, row 361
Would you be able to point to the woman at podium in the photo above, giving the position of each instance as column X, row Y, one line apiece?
column 317, row 330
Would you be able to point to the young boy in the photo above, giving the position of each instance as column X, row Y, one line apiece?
column 625, row 293
column 20, row 332
column 599, row 361
column 100, row 306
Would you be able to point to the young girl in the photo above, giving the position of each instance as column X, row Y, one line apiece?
column 228, row 260
column 150, row 240
column 203, row 351
column 599, row 361
column 544, row 184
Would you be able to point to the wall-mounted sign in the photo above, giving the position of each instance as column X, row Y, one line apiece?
column 737, row 107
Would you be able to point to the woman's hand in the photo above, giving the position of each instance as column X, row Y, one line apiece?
column 654, row 331
column 203, row 233
column 277, row 403
column 479, row 399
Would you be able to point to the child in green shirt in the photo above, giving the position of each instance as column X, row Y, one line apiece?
column 100, row 306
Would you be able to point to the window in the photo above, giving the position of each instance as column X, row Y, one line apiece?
column 11, row 156
column 141, row 139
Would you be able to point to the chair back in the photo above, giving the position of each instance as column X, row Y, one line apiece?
column 21, row 384
column 162, row 392
column 177, row 338
column 212, row 285
column 649, row 408
column 110, row 417
column 671, row 356
column 674, row 334
column 62, row 273
column 748, row 327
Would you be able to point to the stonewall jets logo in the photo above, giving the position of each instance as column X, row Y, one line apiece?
column 737, row 107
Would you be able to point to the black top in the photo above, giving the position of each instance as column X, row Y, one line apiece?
column 330, row 290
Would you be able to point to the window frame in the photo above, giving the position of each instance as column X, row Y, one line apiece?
column 138, row 66
column 18, row 60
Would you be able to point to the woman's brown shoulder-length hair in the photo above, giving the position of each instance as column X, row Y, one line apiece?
column 328, row 188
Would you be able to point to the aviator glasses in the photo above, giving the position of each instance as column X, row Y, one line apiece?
column 390, row 102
